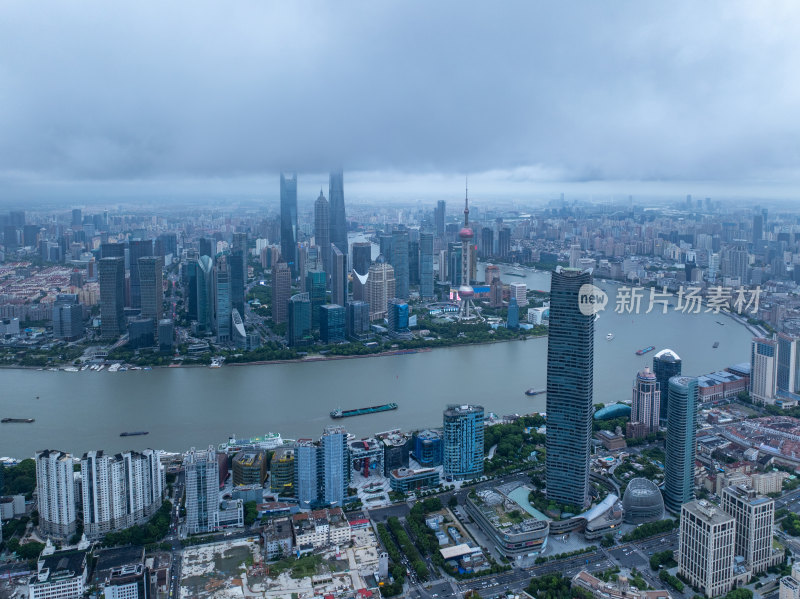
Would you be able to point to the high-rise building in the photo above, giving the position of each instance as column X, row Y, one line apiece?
column 201, row 471
column 289, row 220
column 380, row 288
column 463, row 442
column 331, row 323
column 67, row 317
column 121, row 490
column 504, row 243
column 646, row 405
column 487, row 243
column 426, row 265
column 298, row 331
column 512, row 321
column 758, row 227
column 166, row 335
column 357, row 320
column 490, row 273
column 428, row 448
column 681, row 445
column 55, row 492
column 439, row 217
column 335, row 466
column 755, row 517
column 574, row 255
column 788, row 369
column 570, row 382
column 362, row 257
column 790, row 585
column 222, row 300
column 77, row 219
column 206, row 247
column 306, row 473
column 281, row 291
column 519, row 291
column 338, row 274
column 338, row 222
column 706, row 542
column 249, row 468
column 315, row 288
column 763, row 370
column 151, row 286
column 112, row 250
column 397, row 314
column 281, row 472
column 454, row 259
column 413, row 262
column 237, row 267
column 399, row 262
column 111, row 273
column 322, row 233
column 137, row 248
column 666, row 364
column 204, row 291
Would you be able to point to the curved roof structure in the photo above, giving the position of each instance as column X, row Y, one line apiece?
column 642, row 501
column 666, row 353
column 616, row 410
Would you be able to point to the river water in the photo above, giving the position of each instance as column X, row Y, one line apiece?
column 185, row 407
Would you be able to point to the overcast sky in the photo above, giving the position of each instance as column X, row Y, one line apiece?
column 207, row 96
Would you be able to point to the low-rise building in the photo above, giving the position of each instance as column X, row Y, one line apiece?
column 513, row 528
column 611, row 441
column 129, row 582
column 404, row 480
column 59, row 575
column 619, row 590
column 278, row 538
column 320, row 528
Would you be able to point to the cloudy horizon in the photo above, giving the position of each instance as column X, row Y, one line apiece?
column 207, row 99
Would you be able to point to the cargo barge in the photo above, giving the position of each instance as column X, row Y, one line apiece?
column 17, row 420
column 339, row 413
column 641, row 352
column 134, row 434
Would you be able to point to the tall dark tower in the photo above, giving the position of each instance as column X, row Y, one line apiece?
column 322, row 233
column 570, row 379
column 289, row 220
column 338, row 226
column 666, row 364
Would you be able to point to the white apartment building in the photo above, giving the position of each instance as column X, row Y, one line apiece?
column 201, row 470
column 519, row 291
column 706, row 547
column 755, row 516
column 768, row 482
column 55, row 490
column 763, row 370
column 120, row 490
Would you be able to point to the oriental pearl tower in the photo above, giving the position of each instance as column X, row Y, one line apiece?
column 466, row 309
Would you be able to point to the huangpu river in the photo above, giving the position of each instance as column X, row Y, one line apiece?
column 185, row 407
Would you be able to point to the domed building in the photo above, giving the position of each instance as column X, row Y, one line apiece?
column 642, row 502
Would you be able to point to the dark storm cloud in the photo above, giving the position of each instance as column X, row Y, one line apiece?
column 567, row 91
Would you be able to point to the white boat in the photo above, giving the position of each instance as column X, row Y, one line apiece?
column 70, row 369
column 114, row 367
column 99, row 368
column 597, row 317
column 609, row 337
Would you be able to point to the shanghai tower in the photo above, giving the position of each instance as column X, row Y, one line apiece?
column 338, row 225
column 570, row 364
column 289, row 220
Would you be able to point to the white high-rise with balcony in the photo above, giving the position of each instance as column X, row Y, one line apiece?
column 55, row 490
column 120, row 490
